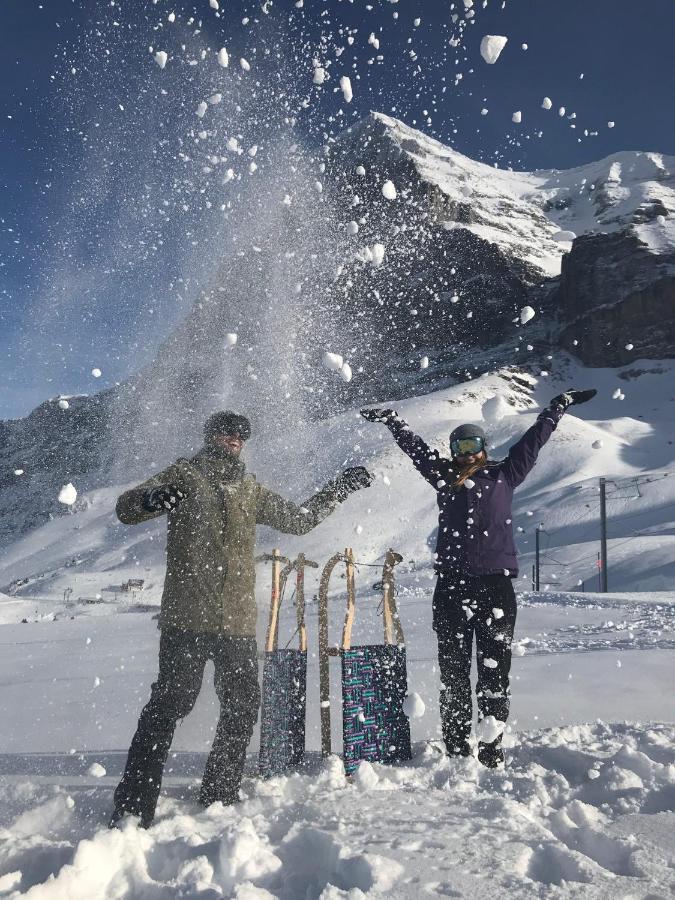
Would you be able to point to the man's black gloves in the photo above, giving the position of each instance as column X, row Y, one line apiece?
column 351, row 480
column 379, row 415
column 164, row 498
column 573, row 398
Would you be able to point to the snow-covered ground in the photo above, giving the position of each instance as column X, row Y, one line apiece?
column 586, row 804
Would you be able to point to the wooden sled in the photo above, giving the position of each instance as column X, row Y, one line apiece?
column 374, row 676
column 282, row 718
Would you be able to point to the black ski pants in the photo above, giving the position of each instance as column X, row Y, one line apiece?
column 182, row 658
column 464, row 607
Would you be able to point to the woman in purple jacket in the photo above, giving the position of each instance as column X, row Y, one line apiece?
column 475, row 562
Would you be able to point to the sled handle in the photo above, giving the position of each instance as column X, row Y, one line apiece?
column 273, row 623
column 392, row 622
column 299, row 565
column 325, row 652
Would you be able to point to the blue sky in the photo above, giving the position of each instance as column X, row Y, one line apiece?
column 92, row 276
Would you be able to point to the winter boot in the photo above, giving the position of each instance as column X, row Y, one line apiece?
column 491, row 755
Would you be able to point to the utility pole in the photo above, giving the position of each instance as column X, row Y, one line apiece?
column 603, row 536
column 536, row 562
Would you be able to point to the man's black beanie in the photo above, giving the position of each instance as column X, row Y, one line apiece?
column 226, row 423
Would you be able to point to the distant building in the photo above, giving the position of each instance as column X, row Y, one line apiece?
column 133, row 584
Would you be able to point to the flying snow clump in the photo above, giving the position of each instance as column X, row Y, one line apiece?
column 63, row 404
column 489, row 728
column 223, row 58
column 201, row 109
column 495, row 408
column 526, row 314
column 352, row 227
column 346, row 88
column 491, row 46
column 413, row 706
column 628, row 347
column 231, row 339
column 67, row 494
column 360, row 171
column 245, row 64
column 96, row 770
column 346, row 372
column 96, row 373
column 332, row 361
column 546, row 103
column 517, row 117
column 389, row 190
column 214, row 4
column 424, row 362
column 161, row 58
column 378, row 251
column 319, row 75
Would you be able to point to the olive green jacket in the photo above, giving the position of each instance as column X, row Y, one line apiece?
column 210, row 572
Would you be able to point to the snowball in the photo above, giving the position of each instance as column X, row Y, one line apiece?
column 518, row 649
column 360, row 171
column 161, row 58
column 628, row 347
column 610, row 124
column 546, row 103
column 365, row 776
column 469, row 484
column 424, row 362
column 352, row 228
column 18, row 471
column 245, row 64
column 231, row 339
column 617, row 394
column 526, row 314
column 96, row 770
column 517, row 117
column 378, row 252
column 484, row 111
column 491, row 46
column 489, row 728
column 413, row 706
column 389, row 190
column 593, row 774
column 564, row 236
column 346, row 88
column 223, row 58
column 215, row 99
column 346, row 372
column 171, row 17
column 524, row 46
column 232, row 144
column 67, row 494
column 318, row 187
column 96, row 373
column 214, row 4
column 332, row 361
column 597, row 445
column 495, row 408
column 319, row 75
column 417, row 22
column 498, row 613
column 201, row 110
column 374, row 41
column 63, row 404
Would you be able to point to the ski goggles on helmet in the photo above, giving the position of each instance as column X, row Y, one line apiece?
column 467, row 446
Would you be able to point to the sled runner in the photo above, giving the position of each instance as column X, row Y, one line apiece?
column 374, row 676
column 282, row 722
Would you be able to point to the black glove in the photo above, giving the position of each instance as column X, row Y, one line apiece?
column 352, row 480
column 572, row 398
column 164, row 498
column 379, row 415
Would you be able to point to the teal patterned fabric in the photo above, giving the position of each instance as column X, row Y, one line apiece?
column 282, row 723
column 374, row 688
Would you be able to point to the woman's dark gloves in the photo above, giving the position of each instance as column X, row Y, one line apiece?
column 573, row 398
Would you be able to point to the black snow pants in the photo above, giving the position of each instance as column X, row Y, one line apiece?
column 182, row 658
column 464, row 606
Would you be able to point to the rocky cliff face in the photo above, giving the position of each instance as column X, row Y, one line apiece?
column 440, row 271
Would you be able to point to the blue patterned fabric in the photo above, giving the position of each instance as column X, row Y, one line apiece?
column 282, row 723
column 374, row 688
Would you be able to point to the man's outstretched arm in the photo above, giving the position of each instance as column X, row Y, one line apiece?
column 291, row 518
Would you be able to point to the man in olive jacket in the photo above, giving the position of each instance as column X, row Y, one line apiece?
column 208, row 606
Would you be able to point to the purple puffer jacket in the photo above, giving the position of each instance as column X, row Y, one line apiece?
column 475, row 535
